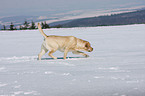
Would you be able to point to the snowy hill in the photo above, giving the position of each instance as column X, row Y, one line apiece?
column 116, row 67
column 135, row 17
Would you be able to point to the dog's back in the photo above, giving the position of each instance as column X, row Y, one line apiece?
column 61, row 42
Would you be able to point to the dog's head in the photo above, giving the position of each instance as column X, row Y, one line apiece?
column 88, row 47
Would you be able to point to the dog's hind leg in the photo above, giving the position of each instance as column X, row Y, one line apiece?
column 81, row 53
column 43, row 51
column 50, row 54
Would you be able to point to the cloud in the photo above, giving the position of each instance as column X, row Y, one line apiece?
column 70, row 13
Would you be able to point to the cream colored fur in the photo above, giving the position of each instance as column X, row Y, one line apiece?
column 64, row 44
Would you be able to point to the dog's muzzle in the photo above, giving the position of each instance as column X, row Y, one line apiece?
column 90, row 49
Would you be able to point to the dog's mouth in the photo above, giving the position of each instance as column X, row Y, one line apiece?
column 90, row 49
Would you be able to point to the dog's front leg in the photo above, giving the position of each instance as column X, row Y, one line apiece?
column 65, row 53
column 81, row 53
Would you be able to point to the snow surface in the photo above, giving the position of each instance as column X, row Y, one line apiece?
column 116, row 67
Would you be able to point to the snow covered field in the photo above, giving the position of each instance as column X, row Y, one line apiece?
column 116, row 67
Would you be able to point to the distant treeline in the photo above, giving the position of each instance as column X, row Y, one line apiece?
column 136, row 17
column 26, row 25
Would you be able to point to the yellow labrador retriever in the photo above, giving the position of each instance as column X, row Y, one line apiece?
column 64, row 44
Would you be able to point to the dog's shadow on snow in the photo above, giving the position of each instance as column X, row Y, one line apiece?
column 61, row 58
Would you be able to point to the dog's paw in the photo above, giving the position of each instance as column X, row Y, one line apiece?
column 55, row 58
column 64, row 58
column 86, row 55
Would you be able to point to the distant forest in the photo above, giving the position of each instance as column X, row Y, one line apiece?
column 136, row 17
column 26, row 25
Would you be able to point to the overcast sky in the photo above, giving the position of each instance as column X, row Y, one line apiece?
column 46, row 7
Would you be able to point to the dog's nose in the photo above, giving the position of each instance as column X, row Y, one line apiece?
column 91, row 49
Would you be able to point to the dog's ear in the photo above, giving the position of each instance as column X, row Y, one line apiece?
column 87, row 45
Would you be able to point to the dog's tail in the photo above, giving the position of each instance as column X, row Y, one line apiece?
column 41, row 31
